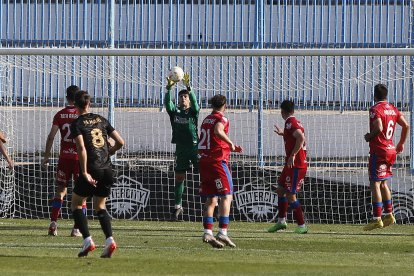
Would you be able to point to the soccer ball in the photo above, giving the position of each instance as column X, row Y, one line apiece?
column 176, row 74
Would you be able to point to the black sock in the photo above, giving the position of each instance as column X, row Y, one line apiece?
column 105, row 221
column 81, row 222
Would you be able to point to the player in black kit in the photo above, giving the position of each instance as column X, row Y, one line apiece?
column 91, row 133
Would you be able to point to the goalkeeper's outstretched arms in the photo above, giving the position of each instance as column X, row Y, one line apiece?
column 193, row 98
column 168, row 103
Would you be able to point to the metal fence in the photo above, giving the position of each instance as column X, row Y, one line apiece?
column 199, row 24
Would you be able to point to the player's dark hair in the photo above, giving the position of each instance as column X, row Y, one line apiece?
column 218, row 101
column 287, row 106
column 184, row 91
column 380, row 92
column 71, row 91
column 82, row 99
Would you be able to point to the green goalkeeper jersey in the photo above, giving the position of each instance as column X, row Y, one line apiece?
column 183, row 122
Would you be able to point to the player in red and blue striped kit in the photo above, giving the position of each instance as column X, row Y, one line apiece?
column 215, row 177
column 383, row 118
column 68, row 166
column 293, row 174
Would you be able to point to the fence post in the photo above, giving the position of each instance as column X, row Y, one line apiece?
column 259, row 37
column 111, row 81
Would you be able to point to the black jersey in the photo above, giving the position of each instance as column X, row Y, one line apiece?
column 95, row 130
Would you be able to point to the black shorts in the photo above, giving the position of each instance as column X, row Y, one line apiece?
column 104, row 178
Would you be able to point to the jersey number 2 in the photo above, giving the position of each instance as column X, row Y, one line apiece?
column 204, row 139
column 66, row 137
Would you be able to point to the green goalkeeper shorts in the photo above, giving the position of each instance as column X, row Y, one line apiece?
column 185, row 156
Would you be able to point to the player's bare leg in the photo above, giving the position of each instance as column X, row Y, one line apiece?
column 57, row 201
column 389, row 218
column 178, row 194
column 376, row 221
column 224, row 212
column 208, row 223
column 283, row 203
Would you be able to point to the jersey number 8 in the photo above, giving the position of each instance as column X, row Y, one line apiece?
column 97, row 138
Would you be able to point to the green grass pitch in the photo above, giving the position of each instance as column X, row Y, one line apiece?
column 166, row 248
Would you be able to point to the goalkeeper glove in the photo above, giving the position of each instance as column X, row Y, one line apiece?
column 170, row 83
column 186, row 81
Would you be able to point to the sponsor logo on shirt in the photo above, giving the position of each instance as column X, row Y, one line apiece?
column 180, row 120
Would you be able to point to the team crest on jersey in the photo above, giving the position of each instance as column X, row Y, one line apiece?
column 288, row 125
column 219, row 185
column 256, row 201
column 127, row 198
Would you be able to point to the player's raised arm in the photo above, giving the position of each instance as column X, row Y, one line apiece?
column 193, row 98
column 404, row 133
column 49, row 143
column 169, row 104
column 278, row 130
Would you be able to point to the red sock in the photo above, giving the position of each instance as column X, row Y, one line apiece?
column 208, row 223
column 56, row 205
column 297, row 212
column 282, row 206
column 377, row 209
column 387, row 204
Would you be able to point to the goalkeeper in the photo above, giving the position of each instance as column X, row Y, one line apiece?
column 184, row 119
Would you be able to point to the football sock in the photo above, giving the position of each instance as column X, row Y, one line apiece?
column 81, row 222
column 297, row 212
column 223, row 224
column 178, row 192
column 281, row 220
column 208, row 225
column 56, row 205
column 84, row 212
column 387, row 204
column 283, row 206
column 105, row 221
column 84, row 208
column 377, row 210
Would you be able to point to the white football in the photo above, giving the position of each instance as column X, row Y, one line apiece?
column 176, row 74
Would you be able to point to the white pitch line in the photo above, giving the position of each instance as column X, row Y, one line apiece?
column 174, row 248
